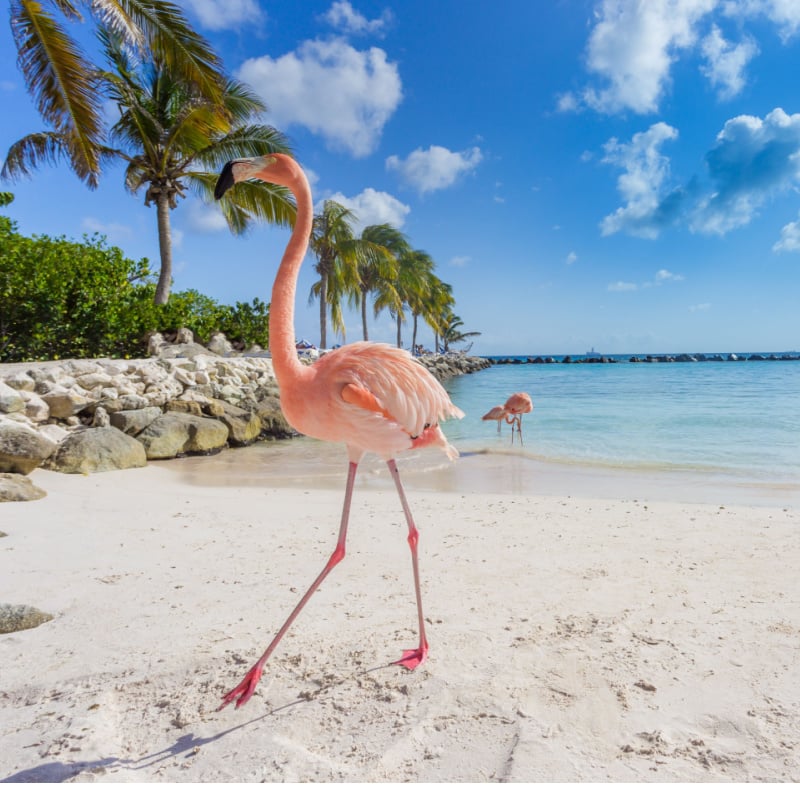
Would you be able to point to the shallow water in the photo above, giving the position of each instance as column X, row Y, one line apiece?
column 699, row 432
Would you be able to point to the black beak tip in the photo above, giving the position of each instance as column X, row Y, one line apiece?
column 225, row 181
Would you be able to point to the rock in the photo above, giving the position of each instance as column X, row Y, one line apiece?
column 97, row 450
column 134, row 421
column 244, row 426
column 100, row 418
column 15, row 488
column 65, row 403
column 20, row 381
column 219, row 344
column 11, row 400
column 21, row 618
column 36, row 410
column 273, row 423
column 174, row 434
column 22, row 449
column 184, row 336
column 155, row 341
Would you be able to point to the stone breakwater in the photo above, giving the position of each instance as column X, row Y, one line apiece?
column 93, row 415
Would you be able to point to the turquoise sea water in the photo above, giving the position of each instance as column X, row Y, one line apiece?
column 709, row 432
column 740, row 419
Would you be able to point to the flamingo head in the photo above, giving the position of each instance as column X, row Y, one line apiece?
column 272, row 168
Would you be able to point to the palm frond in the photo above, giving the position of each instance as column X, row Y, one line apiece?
column 62, row 83
column 27, row 154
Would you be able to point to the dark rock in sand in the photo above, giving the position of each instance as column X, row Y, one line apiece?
column 16, row 488
column 21, row 618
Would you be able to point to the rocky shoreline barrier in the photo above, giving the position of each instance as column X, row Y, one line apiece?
column 94, row 415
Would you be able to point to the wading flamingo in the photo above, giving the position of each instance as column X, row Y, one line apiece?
column 371, row 397
column 518, row 404
column 499, row 413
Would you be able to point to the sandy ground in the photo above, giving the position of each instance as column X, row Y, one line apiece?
column 572, row 639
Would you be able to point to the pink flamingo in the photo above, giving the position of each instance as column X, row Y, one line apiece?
column 518, row 404
column 371, row 397
column 499, row 413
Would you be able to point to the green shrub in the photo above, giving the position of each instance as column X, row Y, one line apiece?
column 63, row 299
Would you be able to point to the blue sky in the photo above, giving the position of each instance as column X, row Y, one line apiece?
column 586, row 173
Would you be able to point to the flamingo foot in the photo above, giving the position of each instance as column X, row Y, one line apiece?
column 411, row 659
column 244, row 691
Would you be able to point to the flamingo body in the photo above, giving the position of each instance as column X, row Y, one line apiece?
column 511, row 411
column 371, row 397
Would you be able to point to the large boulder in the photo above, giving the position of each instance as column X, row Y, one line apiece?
column 21, row 448
column 273, row 423
column 133, row 422
column 97, row 450
column 16, row 488
column 244, row 426
column 175, row 433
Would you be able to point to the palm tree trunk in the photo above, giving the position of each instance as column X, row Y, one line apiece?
column 414, row 335
column 364, row 315
column 165, row 249
column 399, row 331
column 323, row 319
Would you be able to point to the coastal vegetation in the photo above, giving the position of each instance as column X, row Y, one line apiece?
column 180, row 117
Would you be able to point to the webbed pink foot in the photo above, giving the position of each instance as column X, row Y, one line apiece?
column 244, row 691
column 411, row 659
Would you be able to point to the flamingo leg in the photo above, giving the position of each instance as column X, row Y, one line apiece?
column 244, row 691
column 411, row 659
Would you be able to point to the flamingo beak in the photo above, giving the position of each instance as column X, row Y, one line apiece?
column 240, row 169
column 225, row 180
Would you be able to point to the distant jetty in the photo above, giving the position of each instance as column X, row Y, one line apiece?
column 639, row 359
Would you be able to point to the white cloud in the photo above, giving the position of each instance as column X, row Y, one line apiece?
column 633, row 46
column 790, row 239
column 114, row 231
column 434, row 168
column 205, row 218
column 700, row 307
column 751, row 160
column 571, row 257
column 372, row 207
column 783, row 13
column 460, row 261
column 342, row 16
column 218, row 15
column 726, row 62
column 665, row 275
column 645, row 170
column 621, row 286
column 340, row 93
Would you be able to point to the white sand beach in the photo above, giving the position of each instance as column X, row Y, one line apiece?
column 572, row 638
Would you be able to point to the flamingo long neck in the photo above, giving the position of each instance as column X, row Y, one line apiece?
column 285, row 362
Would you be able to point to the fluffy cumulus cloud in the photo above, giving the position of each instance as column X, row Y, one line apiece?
column 342, row 16
column 340, row 93
column 218, row 15
column 725, row 62
column 372, row 207
column 644, row 172
column 789, row 241
column 434, row 168
column 752, row 160
column 632, row 47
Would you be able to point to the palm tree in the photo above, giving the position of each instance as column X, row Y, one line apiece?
column 437, row 303
column 63, row 81
column 332, row 241
column 416, row 269
column 451, row 333
column 378, row 268
column 174, row 138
